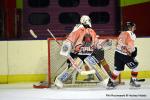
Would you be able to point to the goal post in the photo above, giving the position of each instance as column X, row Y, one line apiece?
column 55, row 60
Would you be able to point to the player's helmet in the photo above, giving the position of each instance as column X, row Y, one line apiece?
column 128, row 25
column 85, row 20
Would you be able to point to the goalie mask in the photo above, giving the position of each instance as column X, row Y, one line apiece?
column 85, row 20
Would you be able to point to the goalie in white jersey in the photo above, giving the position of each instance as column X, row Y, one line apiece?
column 125, row 55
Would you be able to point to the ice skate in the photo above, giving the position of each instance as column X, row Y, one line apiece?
column 133, row 83
column 111, row 84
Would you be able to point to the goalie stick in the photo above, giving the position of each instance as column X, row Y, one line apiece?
column 33, row 33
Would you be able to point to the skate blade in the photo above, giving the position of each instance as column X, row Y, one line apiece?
column 134, row 87
column 110, row 88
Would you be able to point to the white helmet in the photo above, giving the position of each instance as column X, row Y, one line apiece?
column 85, row 20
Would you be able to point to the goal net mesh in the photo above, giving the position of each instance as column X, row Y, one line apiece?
column 57, row 63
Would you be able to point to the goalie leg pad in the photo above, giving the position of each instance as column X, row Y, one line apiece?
column 63, row 77
column 90, row 61
column 98, row 55
column 66, row 74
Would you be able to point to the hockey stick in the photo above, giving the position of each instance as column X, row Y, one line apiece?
column 72, row 60
column 33, row 33
column 140, row 80
column 53, row 37
column 58, row 69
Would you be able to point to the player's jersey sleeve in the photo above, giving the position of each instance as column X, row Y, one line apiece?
column 130, row 43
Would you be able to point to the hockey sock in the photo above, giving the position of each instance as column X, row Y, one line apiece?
column 134, row 73
column 115, row 74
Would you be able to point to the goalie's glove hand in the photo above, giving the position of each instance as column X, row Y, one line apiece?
column 134, row 53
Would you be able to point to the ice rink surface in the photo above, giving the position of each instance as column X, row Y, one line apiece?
column 24, row 91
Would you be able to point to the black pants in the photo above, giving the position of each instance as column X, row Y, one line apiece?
column 122, row 60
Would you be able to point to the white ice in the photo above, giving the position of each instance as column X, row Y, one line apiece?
column 24, row 91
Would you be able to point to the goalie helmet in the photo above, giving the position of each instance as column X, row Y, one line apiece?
column 85, row 20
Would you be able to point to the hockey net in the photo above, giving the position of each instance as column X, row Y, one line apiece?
column 57, row 63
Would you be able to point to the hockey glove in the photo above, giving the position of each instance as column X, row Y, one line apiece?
column 134, row 53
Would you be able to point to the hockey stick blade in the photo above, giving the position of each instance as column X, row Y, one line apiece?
column 40, row 86
column 140, row 80
column 33, row 33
